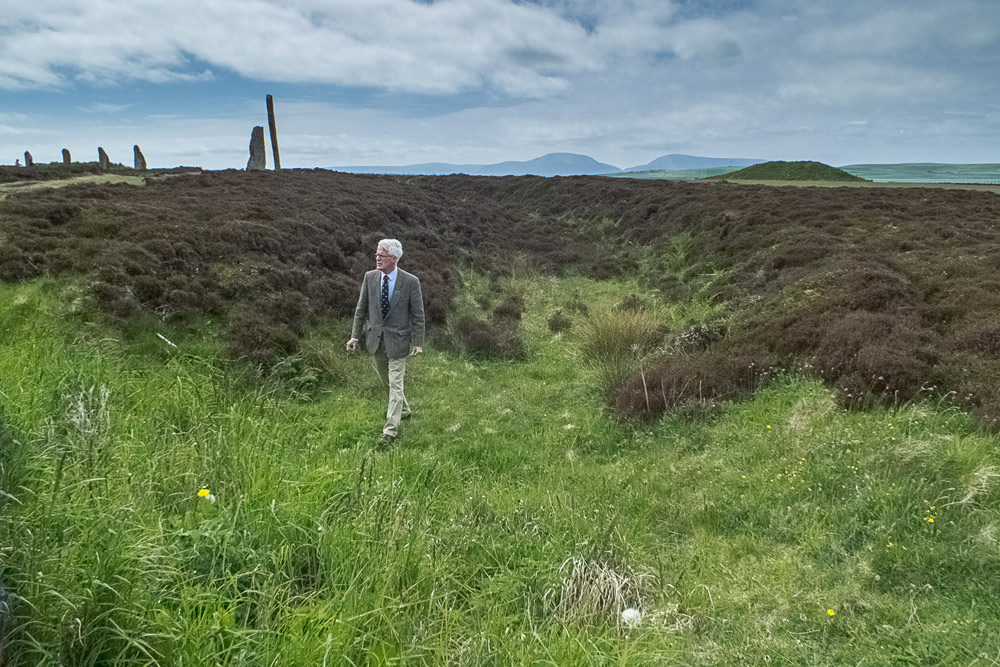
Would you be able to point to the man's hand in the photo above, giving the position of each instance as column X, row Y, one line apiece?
column 415, row 350
column 352, row 345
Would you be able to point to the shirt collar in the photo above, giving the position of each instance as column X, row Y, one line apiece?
column 391, row 274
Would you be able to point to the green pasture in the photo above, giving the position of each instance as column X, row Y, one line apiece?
column 162, row 506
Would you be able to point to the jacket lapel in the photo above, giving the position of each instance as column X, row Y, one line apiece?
column 397, row 293
column 375, row 293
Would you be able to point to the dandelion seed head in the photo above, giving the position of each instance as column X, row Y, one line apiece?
column 631, row 617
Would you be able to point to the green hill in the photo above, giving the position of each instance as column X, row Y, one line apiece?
column 790, row 171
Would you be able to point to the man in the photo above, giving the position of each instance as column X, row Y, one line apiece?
column 390, row 314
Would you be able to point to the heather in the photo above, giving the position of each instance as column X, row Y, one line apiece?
column 882, row 293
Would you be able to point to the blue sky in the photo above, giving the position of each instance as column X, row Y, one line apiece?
column 392, row 82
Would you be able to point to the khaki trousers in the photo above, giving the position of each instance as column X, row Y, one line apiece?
column 392, row 372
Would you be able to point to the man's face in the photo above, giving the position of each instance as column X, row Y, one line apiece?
column 384, row 262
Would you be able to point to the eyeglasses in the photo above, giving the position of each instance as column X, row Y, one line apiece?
column 383, row 255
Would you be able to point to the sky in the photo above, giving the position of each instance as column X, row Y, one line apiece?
column 396, row 82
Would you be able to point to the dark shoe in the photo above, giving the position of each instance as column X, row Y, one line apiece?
column 384, row 442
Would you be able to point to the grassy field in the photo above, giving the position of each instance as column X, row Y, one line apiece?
column 928, row 172
column 160, row 506
column 90, row 179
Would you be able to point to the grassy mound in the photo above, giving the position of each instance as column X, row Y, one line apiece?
column 790, row 171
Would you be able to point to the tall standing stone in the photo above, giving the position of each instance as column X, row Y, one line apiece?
column 274, row 133
column 140, row 161
column 103, row 161
column 258, row 154
column 66, row 157
column 28, row 162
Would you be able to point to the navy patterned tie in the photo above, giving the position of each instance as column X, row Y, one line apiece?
column 385, row 296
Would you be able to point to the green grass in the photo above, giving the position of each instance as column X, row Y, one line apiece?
column 511, row 524
column 88, row 179
column 927, row 172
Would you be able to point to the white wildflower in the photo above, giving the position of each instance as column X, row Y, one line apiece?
column 631, row 617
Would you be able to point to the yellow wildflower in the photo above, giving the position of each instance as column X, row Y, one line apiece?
column 203, row 492
column 831, row 612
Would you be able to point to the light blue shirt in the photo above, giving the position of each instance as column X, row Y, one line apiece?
column 392, row 282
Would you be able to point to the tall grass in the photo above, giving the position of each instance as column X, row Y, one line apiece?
column 512, row 524
column 614, row 343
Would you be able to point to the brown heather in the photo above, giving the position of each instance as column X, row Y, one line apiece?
column 885, row 293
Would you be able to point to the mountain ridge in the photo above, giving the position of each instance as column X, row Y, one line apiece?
column 551, row 164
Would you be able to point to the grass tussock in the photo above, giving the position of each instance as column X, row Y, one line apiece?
column 615, row 342
column 592, row 591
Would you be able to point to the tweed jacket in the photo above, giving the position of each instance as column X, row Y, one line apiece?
column 403, row 325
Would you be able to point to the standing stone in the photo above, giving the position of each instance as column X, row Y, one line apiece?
column 103, row 161
column 66, row 157
column 28, row 162
column 274, row 133
column 140, row 161
column 258, row 154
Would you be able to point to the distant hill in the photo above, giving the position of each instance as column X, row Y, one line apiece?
column 790, row 171
column 553, row 164
column 676, row 175
column 426, row 169
column 678, row 162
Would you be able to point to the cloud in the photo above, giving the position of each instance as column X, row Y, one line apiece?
column 104, row 108
column 520, row 49
column 862, row 81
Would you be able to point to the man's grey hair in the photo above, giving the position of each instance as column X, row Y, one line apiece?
column 392, row 246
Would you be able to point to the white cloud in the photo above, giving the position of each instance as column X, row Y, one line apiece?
column 863, row 81
column 104, row 108
column 396, row 44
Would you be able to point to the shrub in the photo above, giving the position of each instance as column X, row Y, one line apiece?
column 510, row 309
column 559, row 322
column 117, row 301
column 717, row 374
column 499, row 339
column 698, row 337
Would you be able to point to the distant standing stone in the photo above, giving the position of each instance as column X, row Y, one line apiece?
column 258, row 158
column 103, row 161
column 66, row 157
column 140, row 161
column 28, row 162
